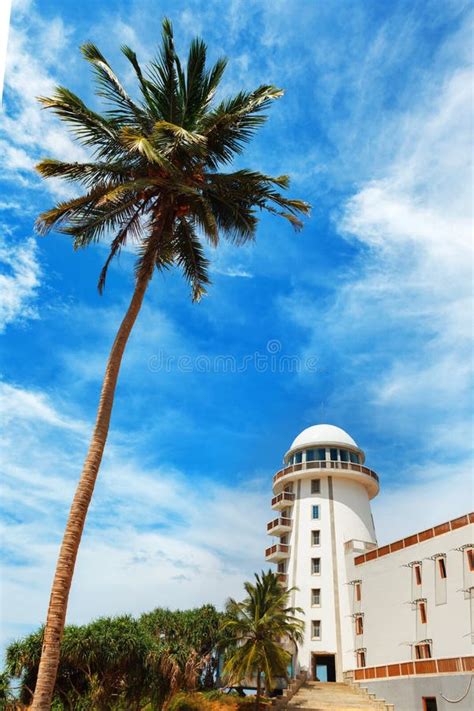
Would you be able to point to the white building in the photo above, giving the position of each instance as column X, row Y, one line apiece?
column 399, row 618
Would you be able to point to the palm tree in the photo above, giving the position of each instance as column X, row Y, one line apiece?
column 154, row 180
column 255, row 630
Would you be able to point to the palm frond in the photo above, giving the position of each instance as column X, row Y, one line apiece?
column 90, row 128
column 190, row 257
column 162, row 72
column 126, row 111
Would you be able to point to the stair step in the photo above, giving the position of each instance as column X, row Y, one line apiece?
column 317, row 696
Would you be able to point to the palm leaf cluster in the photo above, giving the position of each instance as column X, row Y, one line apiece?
column 154, row 175
column 258, row 629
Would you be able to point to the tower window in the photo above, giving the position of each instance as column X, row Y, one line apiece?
column 442, row 567
column 470, row 558
column 357, row 592
column 344, row 455
column 430, row 703
column 333, row 455
column 423, row 651
column 298, row 457
column 281, row 567
column 315, row 511
column 310, row 455
column 315, row 566
column 360, row 658
column 315, row 486
column 354, row 458
column 422, row 610
column 316, row 597
column 316, row 629
column 315, row 538
column 321, row 454
column 359, row 624
column 417, row 571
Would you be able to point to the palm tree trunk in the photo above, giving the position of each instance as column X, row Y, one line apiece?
column 259, row 690
column 75, row 524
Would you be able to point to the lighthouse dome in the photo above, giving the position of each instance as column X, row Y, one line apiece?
column 323, row 434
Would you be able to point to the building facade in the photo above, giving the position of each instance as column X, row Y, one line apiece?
column 399, row 617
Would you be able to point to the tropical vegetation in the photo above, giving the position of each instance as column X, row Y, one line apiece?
column 154, row 180
column 123, row 662
column 173, row 660
column 259, row 630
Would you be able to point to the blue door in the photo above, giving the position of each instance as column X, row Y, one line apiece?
column 322, row 672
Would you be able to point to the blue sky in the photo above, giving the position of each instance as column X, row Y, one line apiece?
column 370, row 303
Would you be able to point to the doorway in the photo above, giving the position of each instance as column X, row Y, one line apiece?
column 324, row 667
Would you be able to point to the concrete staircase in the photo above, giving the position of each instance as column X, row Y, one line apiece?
column 317, row 696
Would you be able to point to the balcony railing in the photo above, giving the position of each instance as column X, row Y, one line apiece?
column 281, row 501
column 325, row 464
column 278, row 526
column 279, row 551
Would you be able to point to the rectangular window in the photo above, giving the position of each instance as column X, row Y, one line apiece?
column 470, row 558
column 357, row 592
column 344, row 455
column 298, row 457
column 316, row 629
column 310, row 455
column 321, row 454
column 442, row 568
column 359, row 624
column 315, row 566
column 315, row 538
column 429, row 703
column 333, row 454
column 316, row 597
column 417, row 571
column 281, row 567
column 360, row 658
column 422, row 610
column 354, row 457
column 315, row 486
column 315, row 511
column 422, row 651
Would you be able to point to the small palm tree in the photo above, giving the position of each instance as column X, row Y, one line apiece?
column 255, row 630
column 154, row 180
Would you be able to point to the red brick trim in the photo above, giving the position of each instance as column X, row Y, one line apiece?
column 415, row 538
column 452, row 665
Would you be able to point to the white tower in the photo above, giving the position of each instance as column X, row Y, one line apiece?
column 322, row 499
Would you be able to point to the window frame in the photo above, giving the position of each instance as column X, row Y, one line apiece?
column 442, row 568
column 420, row 649
column 360, row 659
column 318, row 572
column 418, row 574
column 318, row 531
column 316, row 636
column 423, row 612
column 315, row 489
column 315, row 508
column 470, row 559
column 358, row 592
column 359, row 624
column 316, row 604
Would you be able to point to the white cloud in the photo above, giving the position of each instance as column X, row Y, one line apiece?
column 19, row 281
column 35, row 49
column 153, row 536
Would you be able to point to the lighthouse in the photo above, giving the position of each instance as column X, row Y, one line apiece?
column 321, row 500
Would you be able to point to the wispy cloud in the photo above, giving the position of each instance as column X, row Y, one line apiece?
column 19, row 280
column 170, row 526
